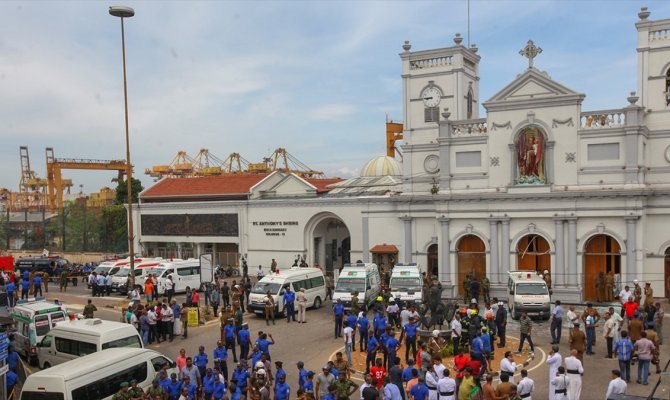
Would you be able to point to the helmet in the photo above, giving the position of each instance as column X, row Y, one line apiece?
column 259, row 365
column 436, row 333
column 261, row 371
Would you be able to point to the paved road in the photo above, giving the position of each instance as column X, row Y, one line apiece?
column 313, row 343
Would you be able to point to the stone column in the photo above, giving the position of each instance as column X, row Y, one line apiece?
column 504, row 263
column 407, row 245
column 366, row 240
column 631, row 249
column 494, row 270
column 572, row 252
column 559, row 265
column 445, row 260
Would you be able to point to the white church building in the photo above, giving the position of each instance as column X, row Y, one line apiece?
column 535, row 184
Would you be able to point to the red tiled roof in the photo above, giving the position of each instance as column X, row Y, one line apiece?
column 322, row 184
column 220, row 185
column 384, row 248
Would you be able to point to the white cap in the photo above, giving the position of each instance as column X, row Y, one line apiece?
column 500, row 303
column 259, row 365
column 546, row 271
column 473, row 301
column 634, row 280
column 261, row 371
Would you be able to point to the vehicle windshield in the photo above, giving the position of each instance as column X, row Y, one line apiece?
column 123, row 272
column 157, row 272
column 532, row 289
column 350, row 285
column 100, row 269
column 263, row 287
column 409, row 284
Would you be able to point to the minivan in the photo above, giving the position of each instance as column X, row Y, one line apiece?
column 527, row 292
column 120, row 278
column 407, row 283
column 362, row 278
column 96, row 376
column 73, row 339
column 185, row 273
column 296, row 278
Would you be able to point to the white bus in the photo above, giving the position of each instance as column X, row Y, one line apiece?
column 73, row 339
column 96, row 376
column 311, row 279
column 33, row 320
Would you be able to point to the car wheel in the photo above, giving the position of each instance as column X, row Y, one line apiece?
column 317, row 303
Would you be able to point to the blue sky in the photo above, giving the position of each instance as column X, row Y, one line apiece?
column 315, row 77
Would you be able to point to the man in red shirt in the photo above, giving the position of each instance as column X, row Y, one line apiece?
column 460, row 361
column 378, row 372
column 476, row 367
column 630, row 307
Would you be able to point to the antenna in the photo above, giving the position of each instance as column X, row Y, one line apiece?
column 468, row 23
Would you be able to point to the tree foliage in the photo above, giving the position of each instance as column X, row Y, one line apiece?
column 122, row 191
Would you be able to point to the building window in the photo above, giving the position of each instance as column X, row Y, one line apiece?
column 470, row 101
column 431, row 114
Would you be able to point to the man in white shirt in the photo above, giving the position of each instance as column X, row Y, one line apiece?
column 572, row 317
column 616, row 385
column 624, row 295
column 446, row 387
column 575, row 370
column 618, row 321
column 438, row 367
column 508, row 366
column 367, row 384
column 559, row 386
column 167, row 320
column 526, row 386
column 431, row 379
column 348, row 342
column 456, row 330
column 553, row 361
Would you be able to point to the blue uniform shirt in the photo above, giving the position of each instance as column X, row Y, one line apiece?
column 372, row 343
column 25, row 284
column 280, row 372
column 241, row 376
column 174, row 388
column 256, row 357
column 208, row 383
column 264, row 345
column 219, row 390
column 420, row 392
column 164, row 383
column 229, row 332
column 243, row 336
column 37, row 280
column 289, row 297
column 477, row 345
column 176, row 310
column 381, row 323
column 192, row 387
column 11, row 287
column 486, row 341
column 282, row 391
column 407, row 374
column 338, row 309
column 302, row 378
column 200, row 360
column 220, row 353
column 392, row 344
column 363, row 323
column 351, row 321
column 410, row 330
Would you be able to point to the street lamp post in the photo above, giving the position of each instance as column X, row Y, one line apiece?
column 127, row 12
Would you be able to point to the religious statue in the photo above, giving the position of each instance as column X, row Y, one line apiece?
column 530, row 156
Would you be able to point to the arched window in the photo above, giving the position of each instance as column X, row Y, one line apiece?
column 667, row 88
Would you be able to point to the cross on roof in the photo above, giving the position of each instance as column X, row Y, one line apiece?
column 530, row 51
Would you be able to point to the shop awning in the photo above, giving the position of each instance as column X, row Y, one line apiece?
column 384, row 249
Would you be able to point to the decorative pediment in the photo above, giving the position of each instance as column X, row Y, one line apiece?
column 536, row 87
column 279, row 184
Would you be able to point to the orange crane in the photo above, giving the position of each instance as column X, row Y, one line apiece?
column 180, row 166
column 55, row 182
column 282, row 160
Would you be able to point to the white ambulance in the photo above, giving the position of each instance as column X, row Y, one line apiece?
column 407, row 283
column 528, row 292
column 362, row 278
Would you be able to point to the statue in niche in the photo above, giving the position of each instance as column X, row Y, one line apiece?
column 530, row 157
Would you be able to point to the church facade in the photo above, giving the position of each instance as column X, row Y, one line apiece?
column 536, row 184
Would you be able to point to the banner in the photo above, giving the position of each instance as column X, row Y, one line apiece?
column 193, row 317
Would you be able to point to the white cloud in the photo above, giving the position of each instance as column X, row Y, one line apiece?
column 331, row 112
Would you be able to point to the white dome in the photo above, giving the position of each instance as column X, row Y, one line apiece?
column 382, row 166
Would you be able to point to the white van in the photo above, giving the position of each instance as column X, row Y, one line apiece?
column 311, row 279
column 184, row 273
column 120, row 278
column 33, row 320
column 362, row 278
column 73, row 339
column 96, row 376
column 407, row 283
column 528, row 292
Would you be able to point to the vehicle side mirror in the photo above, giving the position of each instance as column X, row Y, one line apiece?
column 281, row 293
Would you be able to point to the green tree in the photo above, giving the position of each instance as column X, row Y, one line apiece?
column 114, row 228
column 79, row 227
column 122, row 191
column 4, row 233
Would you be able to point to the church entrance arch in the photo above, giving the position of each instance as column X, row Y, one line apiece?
column 471, row 257
column 328, row 242
column 432, row 260
column 533, row 254
column 602, row 254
